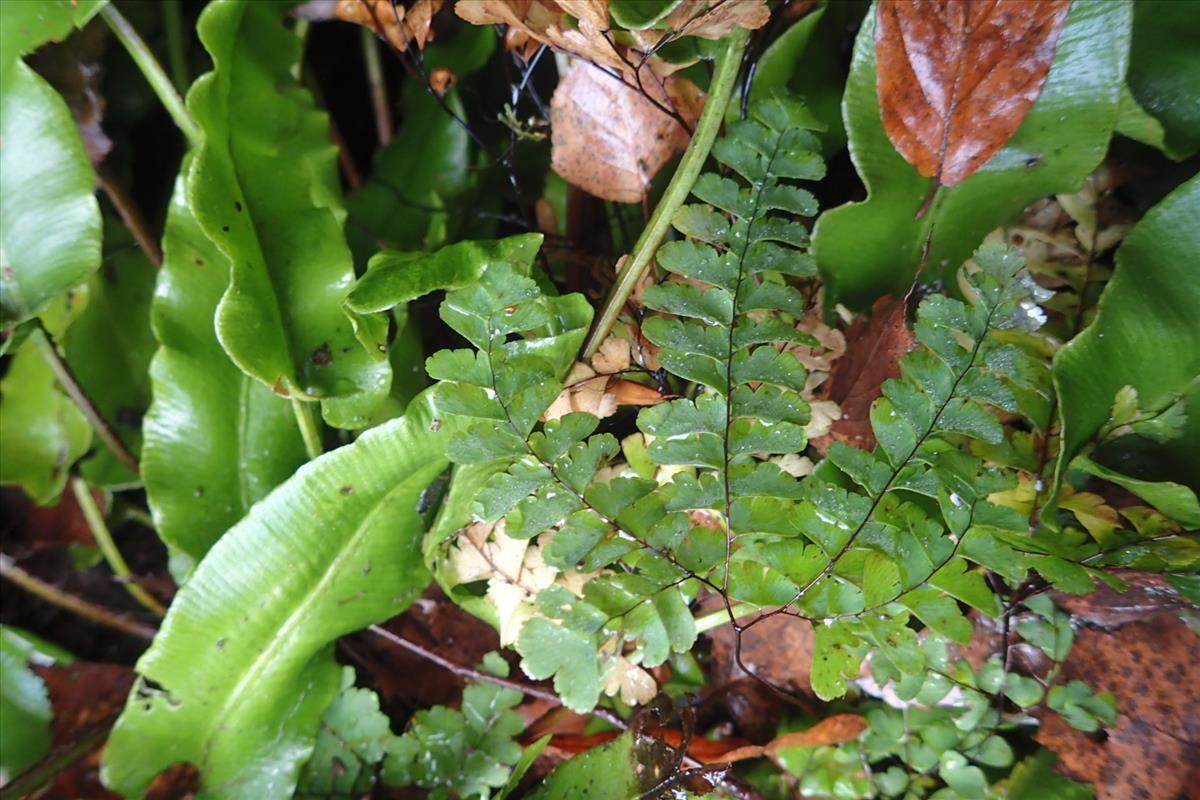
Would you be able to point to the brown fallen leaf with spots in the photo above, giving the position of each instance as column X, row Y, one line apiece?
column 956, row 78
column 607, row 137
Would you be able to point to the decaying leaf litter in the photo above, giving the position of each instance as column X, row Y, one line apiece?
column 597, row 112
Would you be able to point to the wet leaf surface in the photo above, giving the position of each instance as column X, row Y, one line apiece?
column 607, row 137
column 956, row 79
column 873, row 349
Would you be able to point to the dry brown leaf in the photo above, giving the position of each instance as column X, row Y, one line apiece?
column 1153, row 668
column 606, row 137
column 715, row 19
column 612, row 357
column 398, row 26
column 873, row 350
column 956, row 78
column 832, row 730
column 442, row 79
column 542, row 22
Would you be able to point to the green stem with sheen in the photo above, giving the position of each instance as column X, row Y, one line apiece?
column 716, row 619
column 108, row 547
column 310, row 430
column 155, row 75
column 720, row 90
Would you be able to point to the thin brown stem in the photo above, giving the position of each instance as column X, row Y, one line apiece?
column 69, row 602
column 468, row 673
column 70, row 384
column 130, row 214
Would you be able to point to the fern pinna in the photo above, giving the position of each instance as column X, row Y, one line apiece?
column 593, row 553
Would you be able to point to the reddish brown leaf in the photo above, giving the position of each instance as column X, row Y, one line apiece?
column 957, row 77
column 831, row 730
column 873, row 350
column 717, row 18
column 1153, row 668
column 607, row 137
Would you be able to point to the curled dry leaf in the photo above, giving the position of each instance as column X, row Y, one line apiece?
column 836, row 729
column 532, row 23
column 398, row 26
column 873, row 350
column 714, row 19
column 607, row 137
column 956, row 78
column 598, row 389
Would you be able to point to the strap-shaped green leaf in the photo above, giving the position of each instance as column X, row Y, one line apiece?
column 1145, row 336
column 243, row 668
column 263, row 186
column 50, row 233
column 216, row 440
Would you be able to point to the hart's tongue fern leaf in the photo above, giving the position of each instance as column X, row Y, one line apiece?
column 857, row 549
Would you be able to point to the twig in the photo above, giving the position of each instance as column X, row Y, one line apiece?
column 69, row 602
column 475, row 675
column 108, row 547
column 70, row 385
column 130, row 214
column 310, row 429
column 375, row 80
column 141, row 54
column 677, row 191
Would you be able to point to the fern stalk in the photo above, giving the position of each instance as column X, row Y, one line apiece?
column 677, row 191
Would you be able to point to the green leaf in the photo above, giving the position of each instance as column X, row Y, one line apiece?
column 264, row 188
column 24, row 27
column 1164, row 69
column 1175, row 500
column 812, row 41
column 837, row 653
column 1035, row 778
column 868, row 249
column 25, row 711
column 51, row 232
column 109, row 348
column 42, row 430
column 467, row 752
column 407, row 203
column 350, row 744
column 238, row 678
column 548, row 648
column 618, row 770
column 1081, row 707
column 393, row 278
column 1144, row 335
column 636, row 15
column 968, row 782
column 216, row 440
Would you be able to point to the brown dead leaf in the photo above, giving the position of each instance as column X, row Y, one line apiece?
column 832, row 730
column 1153, row 668
column 599, row 394
column 873, row 350
column 441, row 80
column 542, row 22
column 398, row 26
column 714, row 19
column 606, row 137
column 956, row 78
